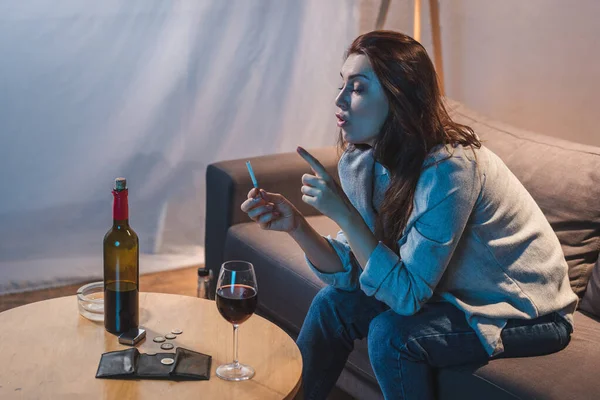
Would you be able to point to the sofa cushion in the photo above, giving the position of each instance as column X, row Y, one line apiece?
column 591, row 299
column 561, row 176
column 286, row 286
column 553, row 376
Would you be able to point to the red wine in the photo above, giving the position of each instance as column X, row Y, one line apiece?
column 236, row 303
column 120, row 306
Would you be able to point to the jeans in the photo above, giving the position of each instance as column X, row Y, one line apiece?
column 404, row 350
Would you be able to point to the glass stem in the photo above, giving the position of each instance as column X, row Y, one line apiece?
column 236, row 364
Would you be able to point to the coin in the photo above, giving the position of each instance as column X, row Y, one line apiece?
column 177, row 331
column 167, row 361
column 170, row 336
column 166, row 346
column 159, row 339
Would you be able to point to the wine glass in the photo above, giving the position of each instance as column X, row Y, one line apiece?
column 237, row 297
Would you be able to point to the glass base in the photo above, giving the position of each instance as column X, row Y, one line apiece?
column 233, row 372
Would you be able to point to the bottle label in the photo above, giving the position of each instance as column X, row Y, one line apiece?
column 120, row 205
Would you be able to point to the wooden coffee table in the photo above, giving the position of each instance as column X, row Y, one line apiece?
column 49, row 351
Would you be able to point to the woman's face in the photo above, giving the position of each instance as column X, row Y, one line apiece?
column 362, row 106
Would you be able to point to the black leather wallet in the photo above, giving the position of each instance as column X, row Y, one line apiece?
column 131, row 364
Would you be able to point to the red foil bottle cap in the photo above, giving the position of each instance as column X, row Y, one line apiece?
column 120, row 201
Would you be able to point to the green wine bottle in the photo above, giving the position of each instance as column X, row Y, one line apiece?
column 121, row 267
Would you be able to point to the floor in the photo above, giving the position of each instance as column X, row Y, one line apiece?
column 180, row 281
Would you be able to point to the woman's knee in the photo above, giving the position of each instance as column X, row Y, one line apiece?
column 331, row 300
column 385, row 332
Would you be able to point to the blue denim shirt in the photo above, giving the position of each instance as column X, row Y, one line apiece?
column 475, row 238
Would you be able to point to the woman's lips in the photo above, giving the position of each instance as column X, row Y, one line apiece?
column 340, row 120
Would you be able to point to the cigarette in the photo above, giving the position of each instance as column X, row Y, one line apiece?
column 252, row 174
column 254, row 182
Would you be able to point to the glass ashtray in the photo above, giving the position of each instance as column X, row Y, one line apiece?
column 90, row 301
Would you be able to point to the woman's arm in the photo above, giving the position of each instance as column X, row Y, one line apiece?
column 316, row 248
column 360, row 238
column 445, row 197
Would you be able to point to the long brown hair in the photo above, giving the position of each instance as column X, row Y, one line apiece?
column 417, row 121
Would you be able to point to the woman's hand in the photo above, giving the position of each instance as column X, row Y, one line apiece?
column 271, row 211
column 323, row 193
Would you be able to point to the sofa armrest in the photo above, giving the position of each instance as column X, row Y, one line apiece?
column 228, row 184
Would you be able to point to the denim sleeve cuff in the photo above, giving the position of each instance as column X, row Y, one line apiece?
column 380, row 264
column 346, row 279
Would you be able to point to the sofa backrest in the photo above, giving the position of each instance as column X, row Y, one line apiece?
column 563, row 177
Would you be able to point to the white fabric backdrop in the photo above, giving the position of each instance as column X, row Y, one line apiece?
column 153, row 91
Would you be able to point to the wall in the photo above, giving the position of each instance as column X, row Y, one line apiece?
column 534, row 64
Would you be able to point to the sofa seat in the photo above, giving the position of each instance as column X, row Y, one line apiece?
column 287, row 287
column 562, row 375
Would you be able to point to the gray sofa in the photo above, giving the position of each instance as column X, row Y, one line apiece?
column 563, row 177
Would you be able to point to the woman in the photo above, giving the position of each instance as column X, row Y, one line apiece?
column 443, row 257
